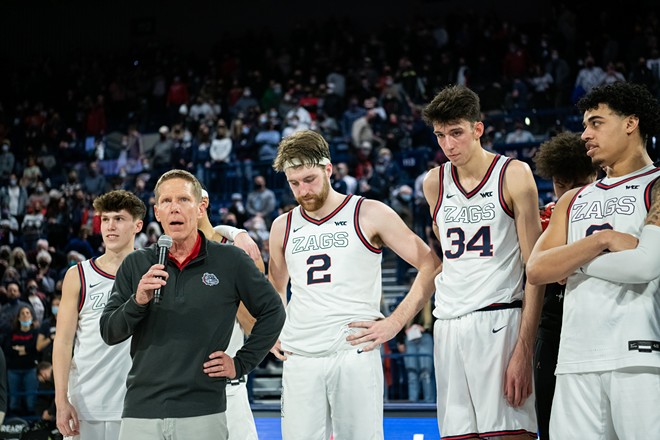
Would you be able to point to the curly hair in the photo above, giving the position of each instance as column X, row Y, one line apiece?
column 453, row 103
column 306, row 147
column 625, row 99
column 115, row 201
column 564, row 157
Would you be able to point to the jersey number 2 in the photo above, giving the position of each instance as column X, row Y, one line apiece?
column 316, row 278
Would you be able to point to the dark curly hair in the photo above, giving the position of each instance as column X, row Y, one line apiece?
column 564, row 157
column 451, row 104
column 626, row 99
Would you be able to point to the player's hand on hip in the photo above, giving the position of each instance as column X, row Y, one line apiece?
column 518, row 378
column 375, row 333
column 67, row 420
column 245, row 242
column 154, row 278
column 220, row 365
column 278, row 352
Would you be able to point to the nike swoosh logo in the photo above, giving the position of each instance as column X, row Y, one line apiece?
column 91, row 286
column 449, row 196
column 298, row 229
column 495, row 331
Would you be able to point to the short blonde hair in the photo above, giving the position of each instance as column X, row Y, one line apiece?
column 180, row 174
column 305, row 147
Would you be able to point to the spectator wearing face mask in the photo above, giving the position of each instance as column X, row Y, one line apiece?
column 244, row 103
column 10, row 309
column 45, row 274
column 47, row 330
column 36, row 299
column 21, row 352
column 261, row 201
column 13, row 198
column 39, row 199
column 237, row 208
column 387, row 168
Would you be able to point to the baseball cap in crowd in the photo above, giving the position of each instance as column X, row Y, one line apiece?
column 163, row 129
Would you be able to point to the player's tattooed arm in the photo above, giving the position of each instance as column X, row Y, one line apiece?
column 653, row 217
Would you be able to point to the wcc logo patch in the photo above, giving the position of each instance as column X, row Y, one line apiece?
column 210, row 279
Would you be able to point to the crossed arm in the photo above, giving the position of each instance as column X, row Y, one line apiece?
column 639, row 264
column 553, row 260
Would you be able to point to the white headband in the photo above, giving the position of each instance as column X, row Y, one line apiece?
column 205, row 194
column 297, row 162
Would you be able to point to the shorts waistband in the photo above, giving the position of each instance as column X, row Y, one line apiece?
column 235, row 382
column 501, row 306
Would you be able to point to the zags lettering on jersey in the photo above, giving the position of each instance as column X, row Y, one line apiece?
column 469, row 214
column 596, row 209
column 318, row 242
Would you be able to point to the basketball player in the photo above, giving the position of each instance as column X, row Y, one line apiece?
column 330, row 248
column 240, row 421
column 562, row 159
column 608, row 371
column 485, row 213
column 89, row 375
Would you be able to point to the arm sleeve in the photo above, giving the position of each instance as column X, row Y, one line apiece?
column 122, row 313
column 634, row 266
column 229, row 232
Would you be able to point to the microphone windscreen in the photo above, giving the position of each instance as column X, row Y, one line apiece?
column 165, row 241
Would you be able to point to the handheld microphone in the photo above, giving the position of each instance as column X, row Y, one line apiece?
column 164, row 244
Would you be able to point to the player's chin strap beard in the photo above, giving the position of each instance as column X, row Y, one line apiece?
column 295, row 162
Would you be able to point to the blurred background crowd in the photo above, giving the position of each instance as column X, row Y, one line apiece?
column 81, row 123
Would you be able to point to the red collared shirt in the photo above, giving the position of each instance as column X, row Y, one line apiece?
column 193, row 254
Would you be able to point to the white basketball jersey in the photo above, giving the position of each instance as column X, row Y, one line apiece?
column 97, row 381
column 236, row 341
column 608, row 326
column 335, row 279
column 482, row 263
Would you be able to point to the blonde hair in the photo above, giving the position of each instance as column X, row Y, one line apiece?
column 302, row 148
column 179, row 174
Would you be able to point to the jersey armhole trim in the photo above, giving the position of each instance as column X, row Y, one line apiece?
column 358, row 231
column 441, row 174
column 500, row 189
column 83, row 287
column 287, row 229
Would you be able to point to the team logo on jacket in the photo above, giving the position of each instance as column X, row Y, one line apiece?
column 210, row 279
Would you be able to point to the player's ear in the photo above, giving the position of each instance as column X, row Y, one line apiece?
column 478, row 129
column 632, row 122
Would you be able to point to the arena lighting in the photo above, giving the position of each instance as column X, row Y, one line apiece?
column 528, row 121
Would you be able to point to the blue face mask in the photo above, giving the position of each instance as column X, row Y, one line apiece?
column 26, row 323
column 54, row 309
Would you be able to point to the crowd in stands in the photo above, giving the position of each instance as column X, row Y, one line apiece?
column 74, row 128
